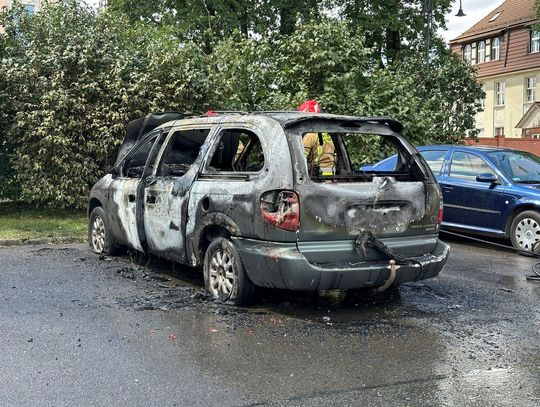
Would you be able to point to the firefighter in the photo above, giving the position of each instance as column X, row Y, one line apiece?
column 318, row 147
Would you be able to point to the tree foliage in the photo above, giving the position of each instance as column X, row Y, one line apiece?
column 71, row 79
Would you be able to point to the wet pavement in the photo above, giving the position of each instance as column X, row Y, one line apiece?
column 80, row 329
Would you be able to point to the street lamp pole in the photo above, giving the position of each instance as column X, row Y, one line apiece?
column 428, row 8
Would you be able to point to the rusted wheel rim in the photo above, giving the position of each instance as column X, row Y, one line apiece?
column 527, row 233
column 98, row 235
column 221, row 275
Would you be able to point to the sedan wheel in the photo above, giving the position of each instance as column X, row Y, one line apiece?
column 525, row 231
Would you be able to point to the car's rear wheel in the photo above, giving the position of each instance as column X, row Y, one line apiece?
column 225, row 277
column 525, row 230
column 99, row 235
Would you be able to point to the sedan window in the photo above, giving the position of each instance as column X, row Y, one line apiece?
column 519, row 166
column 468, row 166
column 434, row 158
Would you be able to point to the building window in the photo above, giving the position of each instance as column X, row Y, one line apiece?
column 535, row 41
column 481, row 52
column 494, row 17
column 29, row 8
column 482, row 101
column 499, row 131
column 530, row 89
column 467, row 53
column 499, row 93
column 495, row 48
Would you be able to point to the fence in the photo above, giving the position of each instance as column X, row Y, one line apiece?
column 526, row 144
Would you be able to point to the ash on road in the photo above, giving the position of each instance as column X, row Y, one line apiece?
column 79, row 329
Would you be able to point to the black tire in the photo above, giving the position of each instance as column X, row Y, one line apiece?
column 525, row 230
column 225, row 277
column 100, row 237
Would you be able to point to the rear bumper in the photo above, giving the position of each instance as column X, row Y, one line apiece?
column 282, row 265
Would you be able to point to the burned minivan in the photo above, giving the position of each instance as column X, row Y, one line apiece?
column 277, row 199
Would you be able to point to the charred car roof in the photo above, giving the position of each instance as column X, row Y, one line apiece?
column 287, row 119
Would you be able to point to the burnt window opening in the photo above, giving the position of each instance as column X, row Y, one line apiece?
column 237, row 151
column 358, row 157
column 136, row 161
column 181, row 152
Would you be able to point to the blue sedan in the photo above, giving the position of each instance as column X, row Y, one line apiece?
column 486, row 190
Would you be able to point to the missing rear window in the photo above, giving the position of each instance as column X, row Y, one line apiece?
column 354, row 157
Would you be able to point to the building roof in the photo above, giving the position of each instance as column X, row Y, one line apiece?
column 531, row 117
column 510, row 13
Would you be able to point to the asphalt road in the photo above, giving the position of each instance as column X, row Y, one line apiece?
column 77, row 329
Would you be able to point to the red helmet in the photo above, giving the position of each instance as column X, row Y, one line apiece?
column 310, row 106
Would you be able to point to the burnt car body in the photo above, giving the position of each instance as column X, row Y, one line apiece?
column 234, row 193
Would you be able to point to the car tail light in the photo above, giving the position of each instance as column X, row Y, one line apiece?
column 282, row 209
column 441, row 209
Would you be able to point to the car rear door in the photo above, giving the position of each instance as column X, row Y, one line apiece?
column 468, row 203
column 399, row 206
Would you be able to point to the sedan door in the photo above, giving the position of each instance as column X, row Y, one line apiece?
column 468, row 203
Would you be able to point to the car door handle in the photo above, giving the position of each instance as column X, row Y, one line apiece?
column 131, row 198
column 151, row 199
column 446, row 188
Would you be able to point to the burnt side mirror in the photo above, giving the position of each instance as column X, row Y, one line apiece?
column 488, row 178
column 115, row 172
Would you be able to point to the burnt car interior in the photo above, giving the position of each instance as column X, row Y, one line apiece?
column 353, row 155
column 134, row 165
column 181, row 152
column 238, row 150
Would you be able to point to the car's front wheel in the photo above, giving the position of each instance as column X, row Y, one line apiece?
column 525, row 230
column 99, row 234
column 224, row 275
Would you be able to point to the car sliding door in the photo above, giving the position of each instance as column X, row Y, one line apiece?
column 166, row 192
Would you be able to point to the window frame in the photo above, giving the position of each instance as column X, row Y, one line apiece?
column 167, row 143
column 467, row 53
column 155, row 134
column 495, row 49
column 444, row 150
column 500, row 93
column 531, row 89
column 534, row 41
column 495, row 132
column 481, row 52
column 486, row 162
column 214, row 144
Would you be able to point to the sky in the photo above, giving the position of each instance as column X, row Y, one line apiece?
column 474, row 10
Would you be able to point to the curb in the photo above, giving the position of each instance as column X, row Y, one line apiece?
column 48, row 240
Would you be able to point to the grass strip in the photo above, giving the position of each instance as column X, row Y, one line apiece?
column 22, row 221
